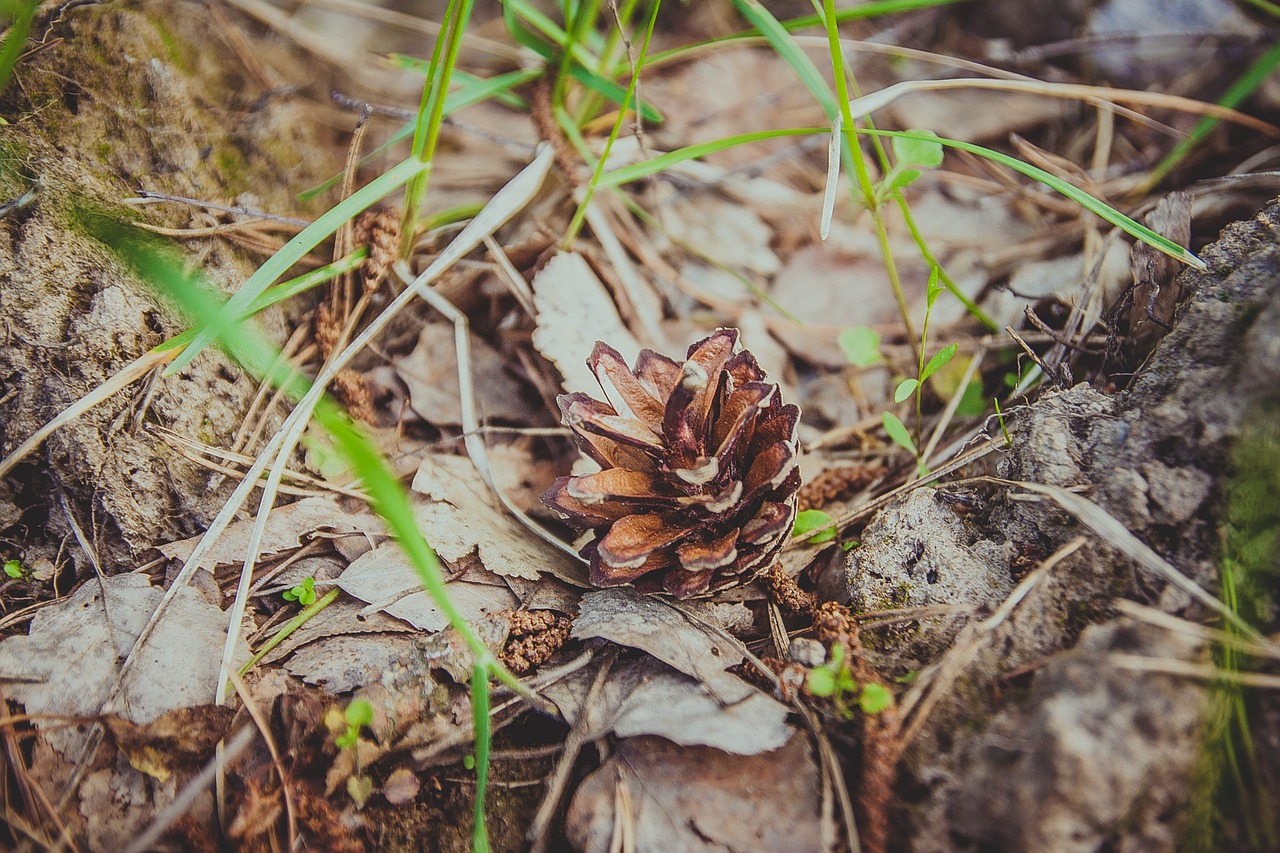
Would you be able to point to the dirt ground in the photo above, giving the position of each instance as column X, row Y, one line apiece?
column 1072, row 620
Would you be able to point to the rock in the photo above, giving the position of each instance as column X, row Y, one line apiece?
column 1088, row 757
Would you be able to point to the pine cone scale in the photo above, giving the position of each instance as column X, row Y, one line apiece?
column 699, row 482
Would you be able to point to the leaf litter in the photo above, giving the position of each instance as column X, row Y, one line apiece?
column 703, row 746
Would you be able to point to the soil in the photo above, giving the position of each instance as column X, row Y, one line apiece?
column 127, row 100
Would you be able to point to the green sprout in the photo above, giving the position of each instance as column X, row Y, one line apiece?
column 304, row 593
column 358, row 715
column 15, row 570
column 833, row 680
column 812, row 520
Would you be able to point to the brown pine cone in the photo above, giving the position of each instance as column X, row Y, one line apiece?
column 698, row 490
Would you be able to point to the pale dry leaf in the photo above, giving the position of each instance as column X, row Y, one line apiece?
column 117, row 803
column 647, row 697
column 386, row 578
column 574, row 311
column 430, row 372
column 521, row 477
column 644, row 622
column 973, row 115
column 342, row 618
column 837, row 285
column 460, row 516
column 701, row 799
column 286, row 529
column 725, row 232
column 70, row 660
column 343, row 664
column 401, row 787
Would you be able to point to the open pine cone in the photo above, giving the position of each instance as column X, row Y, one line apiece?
column 698, row 490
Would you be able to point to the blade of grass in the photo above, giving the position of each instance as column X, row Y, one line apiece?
column 785, row 46
column 307, row 239
column 1257, row 74
column 580, row 214
column 476, row 90
column 636, row 171
column 1096, row 206
column 430, row 116
column 484, row 737
column 20, row 15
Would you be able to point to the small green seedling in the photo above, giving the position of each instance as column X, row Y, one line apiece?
column 15, row 570
column 815, row 519
column 834, row 680
column 304, row 593
column 893, row 425
column 861, row 345
column 909, row 152
column 358, row 715
column 1008, row 440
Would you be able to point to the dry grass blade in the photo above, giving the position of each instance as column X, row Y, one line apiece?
column 1117, row 536
column 127, row 375
column 867, row 104
column 1160, row 619
column 1203, row 671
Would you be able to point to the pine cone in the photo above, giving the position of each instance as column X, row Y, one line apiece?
column 698, row 490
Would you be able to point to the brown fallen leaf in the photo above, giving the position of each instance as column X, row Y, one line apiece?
column 70, row 660
column 695, row 798
column 430, row 372
column 461, row 516
column 575, row 311
column 646, row 697
column 181, row 739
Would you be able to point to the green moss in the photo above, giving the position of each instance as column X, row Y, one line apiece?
column 232, row 168
column 179, row 52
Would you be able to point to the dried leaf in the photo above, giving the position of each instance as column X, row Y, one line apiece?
column 69, row 662
column 575, row 311
column 648, row 697
column 701, row 799
column 180, row 739
column 343, row 664
column 431, row 374
column 629, row 618
column 463, row 517
column 385, row 577
column 401, row 787
column 287, row 527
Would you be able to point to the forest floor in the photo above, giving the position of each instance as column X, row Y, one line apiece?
column 1028, row 602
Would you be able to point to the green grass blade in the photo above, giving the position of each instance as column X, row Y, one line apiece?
column 1079, row 196
column 854, row 13
column 291, row 253
column 484, row 737
column 281, row 292
column 1257, row 74
column 785, row 46
column 426, row 132
column 869, row 10
column 636, row 171
column 20, row 15
column 520, row 10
